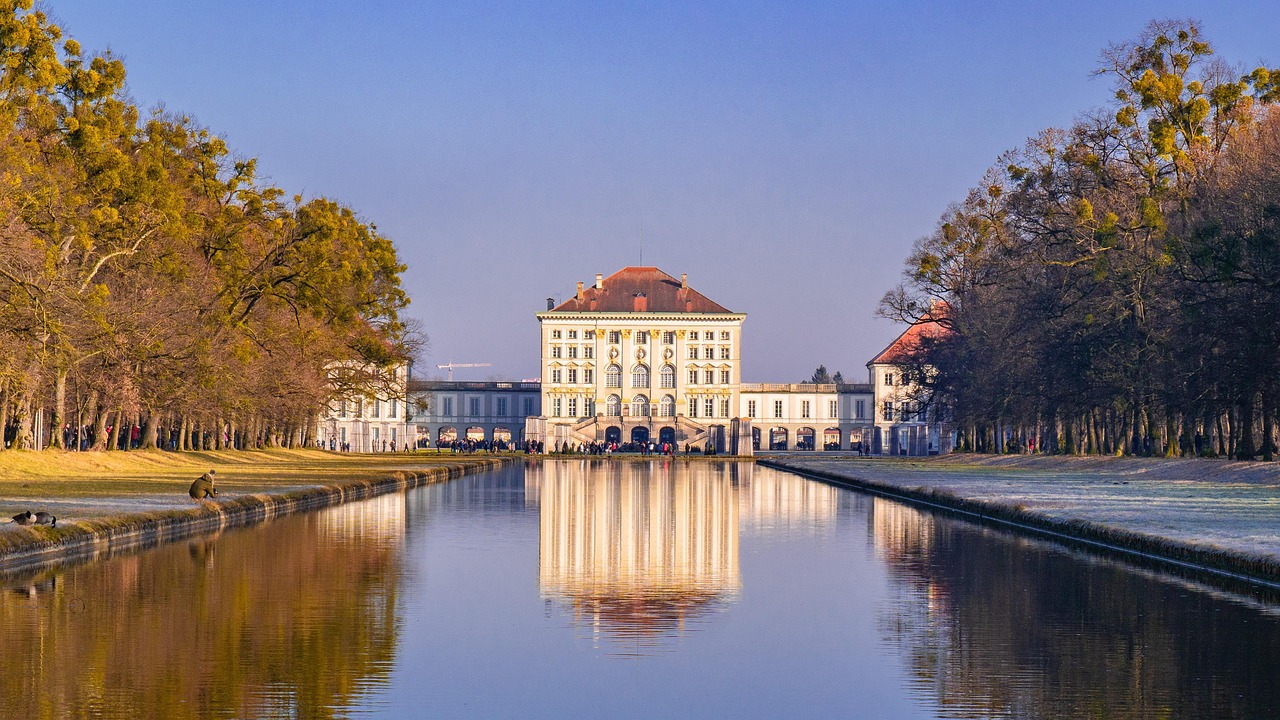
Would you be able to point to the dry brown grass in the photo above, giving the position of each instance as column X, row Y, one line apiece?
column 69, row 475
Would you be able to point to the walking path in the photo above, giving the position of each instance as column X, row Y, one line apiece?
column 1224, row 516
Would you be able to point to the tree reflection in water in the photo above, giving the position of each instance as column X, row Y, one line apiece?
column 295, row 618
column 995, row 625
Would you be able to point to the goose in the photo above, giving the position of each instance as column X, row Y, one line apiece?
column 24, row 518
column 44, row 518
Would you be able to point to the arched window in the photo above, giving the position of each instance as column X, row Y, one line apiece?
column 640, row 406
column 613, row 406
column 640, row 376
column 667, row 408
column 667, row 376
column 613, row 376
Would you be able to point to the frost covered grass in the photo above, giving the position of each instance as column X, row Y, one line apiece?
column 1208, row 511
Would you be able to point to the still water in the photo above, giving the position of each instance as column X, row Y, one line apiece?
column 628, row 589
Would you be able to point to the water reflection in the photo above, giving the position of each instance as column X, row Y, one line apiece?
column 636, row 549
column 294, row 618
column 995, row 625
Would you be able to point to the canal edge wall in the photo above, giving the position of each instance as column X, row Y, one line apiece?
column 99, row 538
column 1221, row 564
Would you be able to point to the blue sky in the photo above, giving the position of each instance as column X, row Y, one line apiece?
column 784, row 155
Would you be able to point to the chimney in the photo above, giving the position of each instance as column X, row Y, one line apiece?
column 684, row 281
column 551, row 303
column 640, row 303
column 599, row 281
column 579, row 290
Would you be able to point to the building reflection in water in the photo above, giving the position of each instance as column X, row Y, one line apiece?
column 990, row 624
column 298, row 617
column 637, row 550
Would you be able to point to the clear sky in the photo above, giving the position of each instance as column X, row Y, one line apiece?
column 784, row 155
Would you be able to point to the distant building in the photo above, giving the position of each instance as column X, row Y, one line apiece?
column 368, row 422
column 902, row 425
column 444, row 411
column 808, row 416
column 639, row 356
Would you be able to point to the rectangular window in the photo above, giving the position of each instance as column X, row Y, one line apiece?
column 555, row 407
column 393, row 409
column 668, row 338
column 475, row 407
column 724, row 334
column 588, row 334
column 377, row 408
column 589, row 407
column 711, row 353
column 804, row 408
column 342, row 409
column 448, row 407
column 888, row 409
column 588, row 375
column 502, row 406
column 904, row 411
column 860, row 409
column 573, row 334
column 724, row 408
column 693, row 377
column 724, row 377
column 751, row 408
column 528, row 406
column 724, row 353
column 693, row 353
column 555, row 375
column 642, row 337
column 693, row 408
column 710, row 406
column 615, row 337
column 555, row 351
column 573, row 351
column 833, row 408
column 573, row 375
column 708, row 335
column 888, row 378
column 777, row 408
column 573, row 407
column 588, row 352
column 555, row 334
column 709, row 376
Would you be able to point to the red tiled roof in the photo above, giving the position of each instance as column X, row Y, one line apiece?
column 927, row 328
column 640, row 289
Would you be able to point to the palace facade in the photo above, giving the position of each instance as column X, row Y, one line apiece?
column 640, row 356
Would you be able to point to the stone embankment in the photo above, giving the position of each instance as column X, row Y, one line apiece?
column 99, row 537
column 1213, row 517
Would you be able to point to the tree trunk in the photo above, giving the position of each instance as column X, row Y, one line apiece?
column 58, row 417
column 148, row 440
column 4, row 417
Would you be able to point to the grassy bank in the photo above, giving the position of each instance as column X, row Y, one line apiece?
column 32, row 477
column 110, row 502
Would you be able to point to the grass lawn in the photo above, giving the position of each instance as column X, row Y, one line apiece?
column 93, row 483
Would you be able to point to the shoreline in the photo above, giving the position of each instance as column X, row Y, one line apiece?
column 97, row 538
column 1029, row 497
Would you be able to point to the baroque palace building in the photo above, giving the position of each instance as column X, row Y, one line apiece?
column 640, row 356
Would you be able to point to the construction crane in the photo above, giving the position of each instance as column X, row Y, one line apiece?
column 451, row 365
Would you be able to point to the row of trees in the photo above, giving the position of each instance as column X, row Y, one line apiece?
column 151, row 285
column 1114, row 287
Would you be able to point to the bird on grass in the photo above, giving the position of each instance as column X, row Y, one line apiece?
column 25, row 518
column 44, row 518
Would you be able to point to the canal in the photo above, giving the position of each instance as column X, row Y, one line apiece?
column 601, row 589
